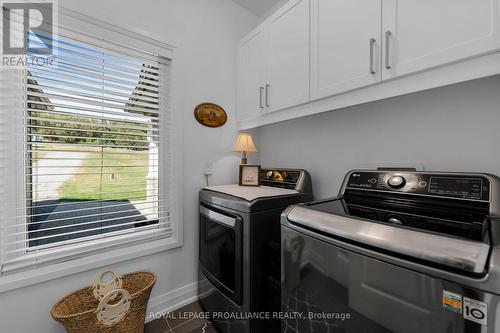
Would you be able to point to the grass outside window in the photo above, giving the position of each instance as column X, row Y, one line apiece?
column 122, row 177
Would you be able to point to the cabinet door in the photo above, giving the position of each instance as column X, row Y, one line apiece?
column 427, row 33
column 288, row 56
column 345, row 45
column 251, row 76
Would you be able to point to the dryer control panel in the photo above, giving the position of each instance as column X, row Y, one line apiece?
column 293, row 179
column 279, row 177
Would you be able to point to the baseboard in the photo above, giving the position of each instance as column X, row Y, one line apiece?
column 172, row 300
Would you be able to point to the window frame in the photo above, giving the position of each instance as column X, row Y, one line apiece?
column 69, row 259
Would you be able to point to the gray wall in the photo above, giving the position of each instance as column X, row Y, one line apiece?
column 452, row 128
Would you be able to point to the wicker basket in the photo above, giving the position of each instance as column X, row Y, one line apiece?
column 82, row 312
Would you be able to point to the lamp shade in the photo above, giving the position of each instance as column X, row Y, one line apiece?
column 244, row 142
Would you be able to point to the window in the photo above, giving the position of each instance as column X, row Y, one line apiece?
column 96, row 150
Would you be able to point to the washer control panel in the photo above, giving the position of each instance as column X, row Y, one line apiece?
column 453, row 185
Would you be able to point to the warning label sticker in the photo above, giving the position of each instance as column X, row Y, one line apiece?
column 452, row 301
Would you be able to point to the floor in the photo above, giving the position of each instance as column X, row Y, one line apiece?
column 181, row 321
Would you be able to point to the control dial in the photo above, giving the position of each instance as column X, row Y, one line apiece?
column 396, row 182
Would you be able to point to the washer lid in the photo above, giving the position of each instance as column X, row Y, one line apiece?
column 250, row 193
column 462, row 254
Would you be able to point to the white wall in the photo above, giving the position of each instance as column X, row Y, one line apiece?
column 453, row 128
column 205, row 33
column 272, row 10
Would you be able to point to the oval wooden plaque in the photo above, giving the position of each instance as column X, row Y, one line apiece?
column 210, row 115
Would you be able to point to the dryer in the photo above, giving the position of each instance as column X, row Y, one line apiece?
column 239, row 249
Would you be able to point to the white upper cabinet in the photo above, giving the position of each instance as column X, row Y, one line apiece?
column 313, row 56
column 288, row 56
column 251, row 76
column 345, row 45
column 419, row 35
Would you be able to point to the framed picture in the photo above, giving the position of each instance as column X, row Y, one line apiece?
column 249, row 175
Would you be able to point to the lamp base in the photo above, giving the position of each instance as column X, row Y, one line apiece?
column 244, row 159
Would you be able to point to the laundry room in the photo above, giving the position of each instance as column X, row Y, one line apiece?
column 248, row 166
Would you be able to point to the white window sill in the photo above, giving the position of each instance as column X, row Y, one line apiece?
column 45, row 272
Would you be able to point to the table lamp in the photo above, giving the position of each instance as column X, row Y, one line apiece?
column 244, row 143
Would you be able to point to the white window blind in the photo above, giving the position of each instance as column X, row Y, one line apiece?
column 95, row 150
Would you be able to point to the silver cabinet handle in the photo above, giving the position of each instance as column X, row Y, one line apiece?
column 267, row 94
column 261, row 91
column 387, row 49
column 372, row 65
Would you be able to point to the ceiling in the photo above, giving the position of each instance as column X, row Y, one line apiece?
column 258, row 7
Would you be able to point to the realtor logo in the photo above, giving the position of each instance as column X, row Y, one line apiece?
column 28, row 31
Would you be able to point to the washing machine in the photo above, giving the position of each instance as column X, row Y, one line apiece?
column 399, row 251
